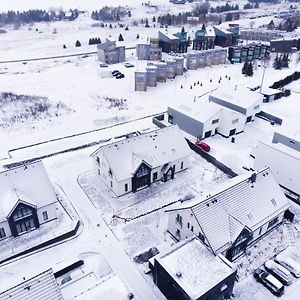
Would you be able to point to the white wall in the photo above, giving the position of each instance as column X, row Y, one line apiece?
column 187, row 217
column 51, row 211
column 284, row 167
column 5, row 226
column 228, row 116
column 207, row 126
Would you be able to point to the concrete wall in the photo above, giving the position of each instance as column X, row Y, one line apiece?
column 285, row 140
column 186, row 123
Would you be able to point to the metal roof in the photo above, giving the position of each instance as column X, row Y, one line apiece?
column 28, row 183
column 240, row 202
column 40, row 287
column 155, row 148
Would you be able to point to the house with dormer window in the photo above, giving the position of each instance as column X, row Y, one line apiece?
column 240, row 212
column 27, row 199
column 136, row 162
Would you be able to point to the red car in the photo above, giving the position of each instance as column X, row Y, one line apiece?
column 203, row 146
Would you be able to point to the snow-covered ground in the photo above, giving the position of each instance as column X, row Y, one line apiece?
column 91, row 98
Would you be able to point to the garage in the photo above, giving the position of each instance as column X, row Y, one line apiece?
column 207, row 134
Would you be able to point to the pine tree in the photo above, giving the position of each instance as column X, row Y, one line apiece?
column 137, row 36
column 153, row 19
column 126, row 28
column 77, row 44
column 147, row 23
column 249, row 70
column 121, row 39
column 245, row 66
column 182, row 29
column 64, row 46
column 277, row 65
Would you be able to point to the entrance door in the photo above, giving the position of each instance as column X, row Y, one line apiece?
column 232, row 132
column 207, row 134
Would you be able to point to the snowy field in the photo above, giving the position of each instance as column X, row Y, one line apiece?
column 80, row 97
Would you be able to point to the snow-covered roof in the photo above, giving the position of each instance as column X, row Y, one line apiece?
column 200, row 111
column 241, row 97
column 28, row 184
column 240, row 202
column 290, row 128
column 42, row 287
column 169, row 35
column 198, row 269
column 210, row 31
column 269, row 91
column 224, row 30
column 155, row 148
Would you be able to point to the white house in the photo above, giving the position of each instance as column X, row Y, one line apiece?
column 203, row 119
column 235, row 216
column 132, row 164
column 27, row 199
column 240, row 99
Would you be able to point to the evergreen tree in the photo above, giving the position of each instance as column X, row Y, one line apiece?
column 153, row 19
column 147, row 23
column 77, row 44
column 249, row 70
column 126, row 28
column 121, row 39
column 129, row 13
column 277, row 65
column 182, row 29
column 137, row 36
column 245, row 66
column 64, row 46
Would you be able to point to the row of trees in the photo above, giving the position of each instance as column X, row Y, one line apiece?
column 224, row 8
column 250, row 6
column 110, row 13
column 283, row 82
column 281, row 61
column 94, row 41
column 36, row 15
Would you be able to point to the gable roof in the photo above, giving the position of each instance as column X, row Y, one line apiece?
column 28, row 184
column 41, row 287
column 237, row 204
column 155, row 148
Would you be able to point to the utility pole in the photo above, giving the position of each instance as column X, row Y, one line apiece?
column 263, row 76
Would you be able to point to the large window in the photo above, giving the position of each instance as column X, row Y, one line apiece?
column 273, row 222
column 2, row 233
column 21, row 212
column 154, row 176
column 25, row 225
column 143, row 171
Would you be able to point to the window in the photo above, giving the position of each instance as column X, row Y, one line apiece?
column 235, row 121
column 260, row 230
column 98, row 160
column 188, row 225
column 170, row 119
column 179, row 220
column 126, row 187
column 273, row 222
column 143, row 171
column 45, row 215
column 111, row 184
column 192, row 228
column 274, row 202
column 2, row 233
column 201, row 236
column 181, row 166
column 25, row 225
column 154, row 176
column 22, row 212
column 215, row 121
column 292, row 142
column 110, row 173
column 256, row 107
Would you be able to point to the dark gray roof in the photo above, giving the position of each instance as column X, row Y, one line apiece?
column 40, row 287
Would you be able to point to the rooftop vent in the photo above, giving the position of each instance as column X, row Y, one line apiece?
column 178, row 274
column 253, row 177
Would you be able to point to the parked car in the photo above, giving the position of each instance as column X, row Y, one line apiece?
column 115, row 72
column 103, row 65
column 128, row 65
column 269, row 281
column 292, row 266
column 119, row 76
column 279, row 272
column 203, row 146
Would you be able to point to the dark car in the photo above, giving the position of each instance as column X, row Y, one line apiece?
column 269, row 281
column 115, row 72
column 119, row 76
column 203, row 146
column 103, row 65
